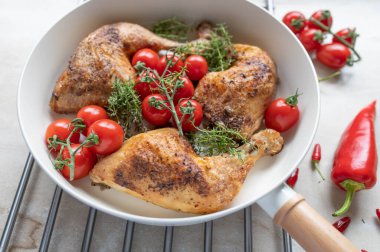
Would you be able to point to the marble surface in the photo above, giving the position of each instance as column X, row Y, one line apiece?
column 23, row 22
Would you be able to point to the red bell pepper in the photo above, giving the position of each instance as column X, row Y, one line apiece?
column 355, row 162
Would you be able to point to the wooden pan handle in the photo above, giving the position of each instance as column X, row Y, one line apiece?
column 313, row 232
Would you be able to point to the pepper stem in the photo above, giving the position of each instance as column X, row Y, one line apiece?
column 351, row 187
column 316, row 167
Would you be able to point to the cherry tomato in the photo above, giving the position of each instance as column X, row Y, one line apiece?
column 146, row 55
column 153, row 115
column 145, row 88
column 111, row 136
column 187, row 91
column 333, row 55
column 91, row 114
column 324, row 16
column 62, row 129
column 189, row 122
column 84, row 161
column 177, row 63
column 282, row 114
column 295, row 20
column 347, row 34
column 197, row 67
column 311, row 39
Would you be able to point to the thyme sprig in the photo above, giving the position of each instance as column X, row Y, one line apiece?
column 124, row 106
column 167, row 84
column 219, row 51
column 172, row 28
column 216, row 141
column 54, row 143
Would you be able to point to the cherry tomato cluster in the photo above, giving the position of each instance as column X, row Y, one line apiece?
column 312, row 33
column 196, row 67
column 95, row 122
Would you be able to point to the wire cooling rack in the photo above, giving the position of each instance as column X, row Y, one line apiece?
column 129, row 229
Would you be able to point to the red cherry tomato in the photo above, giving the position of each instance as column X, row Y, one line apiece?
column 84, row 161
column 197, row 67
column 111, row 136
column 333, row 55
column 282, row 114
column 295, row 20
column 323, row 16
column 188, row 122
column 91, row 114
column 145, row 88
column 62, row 129
column 347, row 34
column 146, row 55
column 153, row 115
column 187, row 91
column 311, row 39
column 176, row 65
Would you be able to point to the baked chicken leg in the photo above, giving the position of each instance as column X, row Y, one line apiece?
column 238, row 96
column 99, row 57
column 161, row 167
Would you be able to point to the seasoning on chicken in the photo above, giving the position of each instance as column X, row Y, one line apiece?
column 159, row 166
column 238, row 96
column 99, row 57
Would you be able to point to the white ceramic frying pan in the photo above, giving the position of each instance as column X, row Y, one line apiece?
column 249, row 24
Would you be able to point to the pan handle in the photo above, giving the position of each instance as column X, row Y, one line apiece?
column 313, row 232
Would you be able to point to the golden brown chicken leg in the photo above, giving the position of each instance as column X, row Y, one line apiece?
column 100, row 56
column 238, row 96
column 161, row 167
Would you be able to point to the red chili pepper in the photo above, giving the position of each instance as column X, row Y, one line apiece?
column 292, row 180
column 315, row 158
column 378, row 213
column 342, row 224
column 355, row 161
column 363, row 250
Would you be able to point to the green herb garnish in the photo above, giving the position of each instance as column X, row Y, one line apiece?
column 55, row 144
column 216, row 141
column 219, row 51
column 172, row 28
column 124, row 106
column 167, row 84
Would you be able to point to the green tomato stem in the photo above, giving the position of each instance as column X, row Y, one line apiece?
column 328, row 77
column 326, row 28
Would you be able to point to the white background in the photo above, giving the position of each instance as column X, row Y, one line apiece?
column 23, row 22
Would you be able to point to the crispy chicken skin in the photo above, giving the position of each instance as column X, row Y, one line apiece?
column 100, row 56
column 161, row 167
column 238, row 96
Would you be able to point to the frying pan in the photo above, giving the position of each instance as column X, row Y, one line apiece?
column 248, row 23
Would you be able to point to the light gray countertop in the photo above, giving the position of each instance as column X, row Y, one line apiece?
column 23, row 22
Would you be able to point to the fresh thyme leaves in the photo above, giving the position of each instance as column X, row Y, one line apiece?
column 219, row 51
column 172, row 28
column 215, row 141
column 124, row 106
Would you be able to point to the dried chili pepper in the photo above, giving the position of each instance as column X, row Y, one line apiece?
column 355, row 161
column 342, row 224
column 378, row 213
column 292, row 180
column 315, row 158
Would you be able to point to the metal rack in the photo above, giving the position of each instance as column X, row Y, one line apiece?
column 129, row 229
